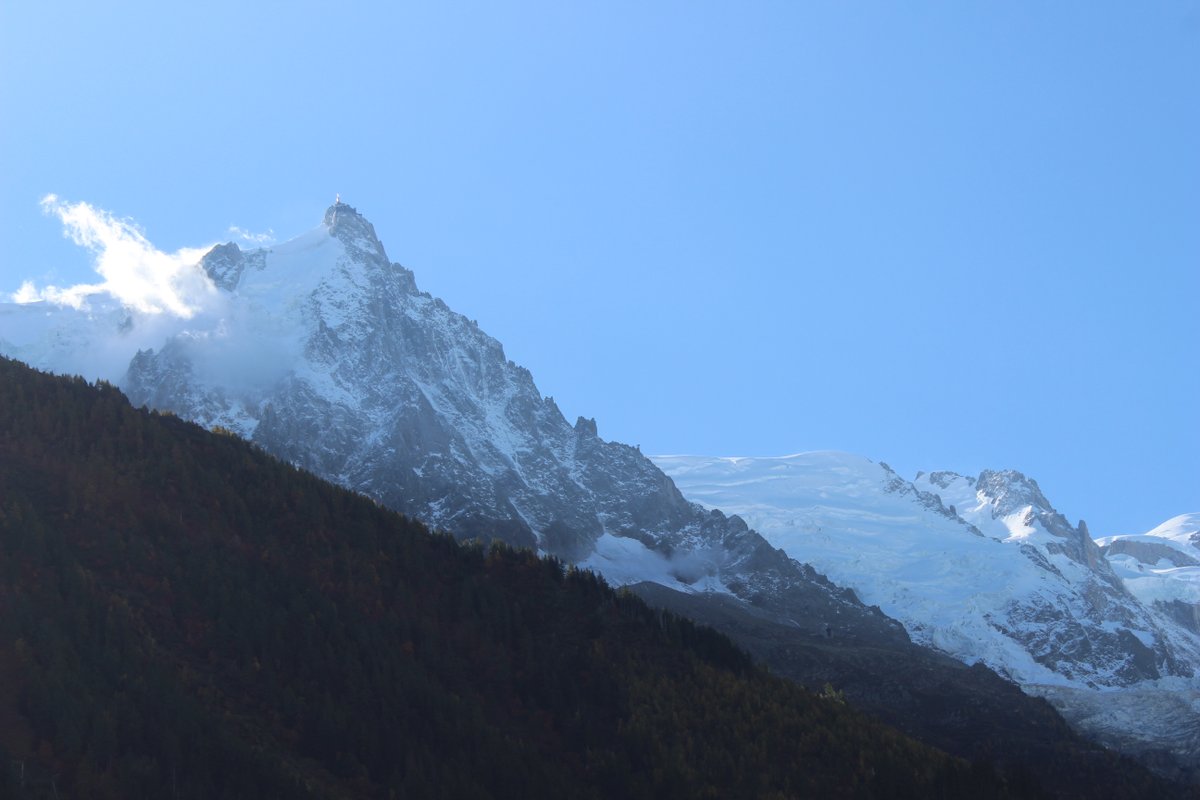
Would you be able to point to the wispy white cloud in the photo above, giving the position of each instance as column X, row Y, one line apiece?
column 259, row 239
column 132, row 270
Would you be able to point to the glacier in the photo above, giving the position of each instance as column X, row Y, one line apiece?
column 985, row 569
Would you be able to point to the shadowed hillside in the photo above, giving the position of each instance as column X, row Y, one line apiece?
column 183, row 616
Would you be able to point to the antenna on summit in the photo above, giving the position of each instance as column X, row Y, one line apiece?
column 337, row 198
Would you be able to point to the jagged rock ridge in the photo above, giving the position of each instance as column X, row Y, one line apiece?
column 379, row 386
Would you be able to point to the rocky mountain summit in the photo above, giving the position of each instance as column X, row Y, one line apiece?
column 330, row 357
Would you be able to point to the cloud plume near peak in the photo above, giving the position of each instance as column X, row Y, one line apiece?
column 267, row 237
column 133, row 271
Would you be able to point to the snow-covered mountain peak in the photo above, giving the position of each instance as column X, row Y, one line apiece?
column 1008, row 505
column 1009, row 492
column 223, row 265
column 329, row 356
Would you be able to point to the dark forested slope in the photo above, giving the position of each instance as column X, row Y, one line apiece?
column 183, row 616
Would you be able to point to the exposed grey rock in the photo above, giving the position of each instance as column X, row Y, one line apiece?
column 394, row 395
column 1149, row 552
column 1064, row 634
column 223, row 265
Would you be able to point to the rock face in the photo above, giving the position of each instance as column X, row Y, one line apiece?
column 1162, row 567
column 225, row 263
column 330, row 357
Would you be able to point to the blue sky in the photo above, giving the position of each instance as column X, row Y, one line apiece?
column 946, row 236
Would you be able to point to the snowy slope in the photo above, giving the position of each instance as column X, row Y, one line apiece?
column 985, row 569
column 1162, row 567
column 1001, row 578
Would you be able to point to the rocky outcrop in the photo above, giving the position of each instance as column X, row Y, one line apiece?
column 368, row 381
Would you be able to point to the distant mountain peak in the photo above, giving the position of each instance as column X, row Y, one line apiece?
column 344, row 210
column 943, row 478
column 328, row 356
column 1010, row 490
column 353, row 229
column 224, row 264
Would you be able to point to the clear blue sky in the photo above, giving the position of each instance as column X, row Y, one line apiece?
column 942, row 235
